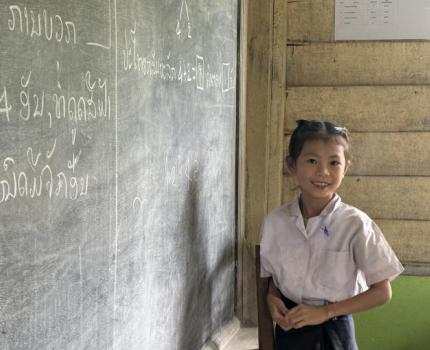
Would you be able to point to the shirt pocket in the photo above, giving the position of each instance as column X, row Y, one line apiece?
column 334, row 269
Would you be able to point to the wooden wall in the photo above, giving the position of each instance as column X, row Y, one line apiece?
column 380, row 90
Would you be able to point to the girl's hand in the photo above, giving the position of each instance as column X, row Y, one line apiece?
column 306, row 315
column 278, row 311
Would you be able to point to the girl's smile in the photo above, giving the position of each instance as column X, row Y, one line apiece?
column 320, row 184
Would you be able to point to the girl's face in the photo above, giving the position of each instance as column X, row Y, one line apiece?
column 319, row 169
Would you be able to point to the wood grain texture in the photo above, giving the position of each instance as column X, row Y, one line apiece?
column 409, row 239
column 265, row 86
column 381, row 197
column 311, row 20
column 394, row 154
column 275, row 150
column 266, row 338
column 356, row 63
column 362, row 108
column 257, row 112
column 256, row 34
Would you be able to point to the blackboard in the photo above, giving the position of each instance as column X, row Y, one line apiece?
column 117, row 173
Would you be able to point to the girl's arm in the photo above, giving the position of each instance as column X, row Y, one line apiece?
column 303, row 315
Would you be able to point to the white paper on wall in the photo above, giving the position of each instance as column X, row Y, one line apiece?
column 382, row 19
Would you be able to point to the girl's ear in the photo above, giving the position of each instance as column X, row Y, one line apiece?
column 348, row 165
column 291, row 165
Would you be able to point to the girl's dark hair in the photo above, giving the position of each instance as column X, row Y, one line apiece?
column 308, row 130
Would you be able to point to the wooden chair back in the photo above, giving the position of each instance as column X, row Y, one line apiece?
column 266, row 338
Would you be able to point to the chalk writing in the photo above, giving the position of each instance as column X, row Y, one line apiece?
column 30, row 23
column 137, row 203
column 150, row 65
column 181, row 22
column 5, row 107
column 185, row 72
column 228, row 77
column 180, row 168
column 37, row 107
column 73, row 136
column 109, row 43
column 71, row 164
column 39, row 180
column 109, row 31
column 58, row 74
column 200, row 72
column 50, row 153
column 93, row 104
column 195, row 71
column 212, row 79
column 85, row 108
column 30, row 158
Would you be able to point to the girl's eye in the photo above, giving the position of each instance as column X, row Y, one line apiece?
column 335, row 163
column 312, row 161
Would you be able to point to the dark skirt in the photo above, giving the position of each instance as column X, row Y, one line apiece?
column 335, row 334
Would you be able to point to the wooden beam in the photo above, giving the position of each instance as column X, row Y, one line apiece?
column 410, row 239
column 264, row 99
column 362, row 108
column 359, row 63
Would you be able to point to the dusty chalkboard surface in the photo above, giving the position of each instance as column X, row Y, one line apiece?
column 117, row 173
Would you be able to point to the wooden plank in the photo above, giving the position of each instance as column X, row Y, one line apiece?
column 362, row 108
column 311, row 20
column 409, row 239
column 242, row 279
column 258, row 68
column 419, row 269
column 254, row 102
column 381, row 197
column 275, row 138
column 391, row 154
column 264, row 83
column 265, row 107
column 388, row 154
column 358, row 63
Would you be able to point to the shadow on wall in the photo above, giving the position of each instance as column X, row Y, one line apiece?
column 199, row 319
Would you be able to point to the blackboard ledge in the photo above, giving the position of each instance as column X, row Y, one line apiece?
column 220, row 339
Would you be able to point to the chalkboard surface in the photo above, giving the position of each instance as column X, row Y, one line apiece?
column 117, row 173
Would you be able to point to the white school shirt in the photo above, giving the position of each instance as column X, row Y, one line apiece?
column 339, row 254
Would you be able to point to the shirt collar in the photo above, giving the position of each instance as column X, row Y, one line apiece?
column 293, row 209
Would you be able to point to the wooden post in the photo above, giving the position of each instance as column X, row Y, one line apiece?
column 266, row 339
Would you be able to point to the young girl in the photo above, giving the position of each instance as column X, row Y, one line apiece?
column 324, row 259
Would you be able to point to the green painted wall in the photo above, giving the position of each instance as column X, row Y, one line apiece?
column 404, row 324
